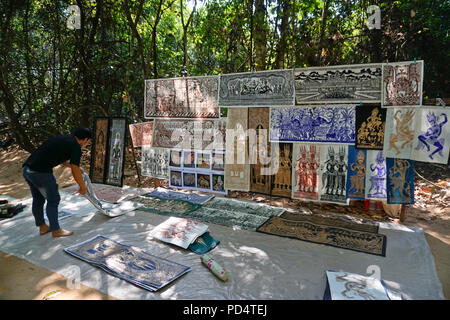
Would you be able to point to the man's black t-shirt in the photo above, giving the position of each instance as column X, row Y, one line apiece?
column 53, row 152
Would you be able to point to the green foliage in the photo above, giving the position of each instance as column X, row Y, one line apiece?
column 53, row 78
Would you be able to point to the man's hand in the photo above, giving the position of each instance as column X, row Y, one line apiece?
column 76, row 172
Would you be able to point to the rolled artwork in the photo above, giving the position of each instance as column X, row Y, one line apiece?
column 214, row 267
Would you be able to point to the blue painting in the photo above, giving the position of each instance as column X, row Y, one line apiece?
column 129, row 263
column 400, row 181
column 356, row 173
column 323, row 124
column 376, row 175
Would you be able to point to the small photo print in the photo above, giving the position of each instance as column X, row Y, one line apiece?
column 218, row 160
column 175, row 179
column 218, row 182
column 203, row 181
column 189, row 179
column 203, row 160
column 188, row 159
column 175, row 158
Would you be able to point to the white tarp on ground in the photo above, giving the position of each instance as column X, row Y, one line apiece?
column 261, row 266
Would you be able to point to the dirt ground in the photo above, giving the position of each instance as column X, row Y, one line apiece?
column 21, row 280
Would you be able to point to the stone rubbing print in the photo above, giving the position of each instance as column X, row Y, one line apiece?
column 338, row 84
column 402, row 84
column 190, row 134
column 333, row 169
column 99, row 148
column 305, row 171
column 320, row 124
column 356, row 173
column 370, row 127
column 117, row 145
column 400, row 181
column 237, row 167
column 259, row 149
column 432, row 135
column 281, row 180
column 191, row 97
column 155, row 162
column 141, row 134
column 262, row 88
column 376, row 175
column 399, row 134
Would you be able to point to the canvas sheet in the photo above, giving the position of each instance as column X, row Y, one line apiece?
column 338, row 84
column 189, row 97
column 99, row 149
column 320, row 124
column 370, row 126
column 399, row 134
column 350, row 286
column 237, row 167
column 166, row 206
column 141, row 134
column 155, row 162
column 333, row 174
column 305, row 171
column 262, row 88
column 107, row 193
column 180, row 232
column 376, row 175
column 356, row 178
column 402, row 84
column 176, row 195
column 190, row 134
column 127, row 262
column 432, row 135
column 400, row 181
column 248, row 256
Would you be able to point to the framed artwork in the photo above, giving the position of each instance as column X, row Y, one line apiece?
column 370, row 123
column 203, row 160
column 116, row 156
column 155, row 162
column 99, row 151
column 188, row 159
column 175, row 158
column 176, row 179
column 203, row 181
column 141, row 134
column 189, row 180
column 218, row 183
column 338, row 84
column 217, row 161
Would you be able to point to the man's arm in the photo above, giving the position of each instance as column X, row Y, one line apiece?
column 76, row 172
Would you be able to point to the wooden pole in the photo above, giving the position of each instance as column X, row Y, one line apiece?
column 130, row 144
column 403, row 212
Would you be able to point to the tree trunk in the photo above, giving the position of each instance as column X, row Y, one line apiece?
column 281, row 47
column 321, row 46
column 260, row 35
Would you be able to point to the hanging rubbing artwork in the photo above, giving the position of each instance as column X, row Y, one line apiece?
column 203, row 160
column 259, row 149
column 400, row 181
column 402, row 84
column 305, row 171
column 262, row 88
column 432, row 135
column 218, row 161
column 237, row 168
column 356, row 173
column 204, row 181
column 141, row 134
column 155, row 162
column 399, row 134
column 175, row 158
column 327, row 124
column 191, row 97
column 338, row 84
column 175, row 179
column 190, row 134
column 99, row 150
column 375, row 175
column 117, row 145
column 333, row 169
column 281, row 180
column 218, row 183
column 369, row 127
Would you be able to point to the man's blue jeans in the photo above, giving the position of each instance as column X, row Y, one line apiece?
column 43, row 187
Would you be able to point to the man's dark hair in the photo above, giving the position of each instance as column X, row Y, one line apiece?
column 82, row 133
